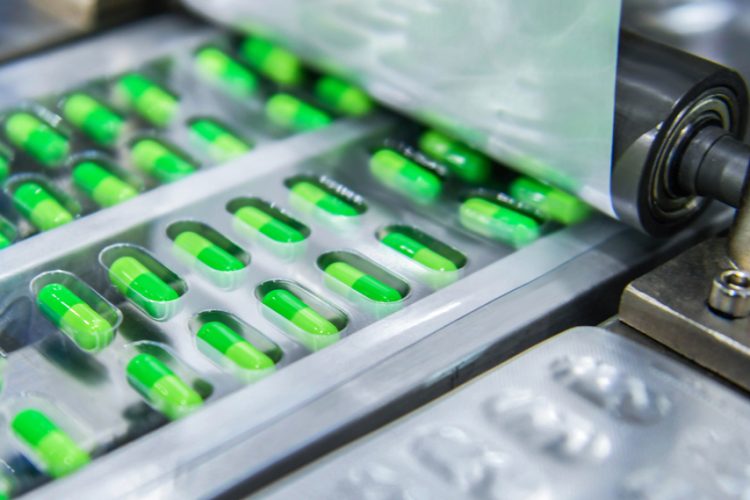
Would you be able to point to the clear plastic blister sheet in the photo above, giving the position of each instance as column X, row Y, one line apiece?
column 587, row 414
column 532, row 83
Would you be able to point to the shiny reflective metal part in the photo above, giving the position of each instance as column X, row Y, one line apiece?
column 730, row 294
column 669, row 305
column 739, row 239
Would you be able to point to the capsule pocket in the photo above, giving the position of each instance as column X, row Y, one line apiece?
column 223, row 70
column 86, row 317
column 499, row 217
column 8, row 233
column 37, row 132
column 95, row 119
column 309, row 193
column 262, row 222
column 234, row 345
column 310, row 320
column 291, row 113
column 216, row 139
column 102, row 181
column 160, row 159
column 148, row 99
column 39, row 202
column 208, row 252
column 405, row 173
column 551, row 202
column 143, row 280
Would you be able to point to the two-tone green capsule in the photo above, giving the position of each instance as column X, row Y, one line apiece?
column 93, row 118
column 343, row 97
column 161, row 387
column 141, row 285
column 297, row 312
column 149, row 100
column 39, row 206
column 233, row 349
column 274, row 62
column 37, row 138
column 101, row 185
column 160, row 161
column 499, row 222
column 221, row 143
column 77, row 319
column 220, row 68
column 207, row 252
column 291, row 113
column 267, row 224
column 315, row 194
column 8, row 233
column 4, row 166
column 361, row 282
column 405, row 176
column 551, row 202
column 465, row 163
column 418, row 251
column 52, row 449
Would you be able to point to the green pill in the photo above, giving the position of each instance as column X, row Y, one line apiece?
column 233, row 347
column 268, row 225
column 162, row 387
column 553, row 203
column 101, row 185
column 292, row 113
column 37, row 138
column 418, row 252
column 53, row 449
column 4, row 167
column 220, row 68
column 42, row 209
column 222, row 144
column 4, row 241
column 93, row 118
column 321, row 198
column 207, row 252
column 276, row 63
column 343, row 97
column 291, row 307
column 87, row 328
column 152, row 102
column 498, row 222
column 136, row 282
column 464, row 162
column 361, row 282
column 160, row 161
column 403, row 175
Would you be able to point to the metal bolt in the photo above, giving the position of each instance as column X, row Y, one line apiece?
column 730, row 294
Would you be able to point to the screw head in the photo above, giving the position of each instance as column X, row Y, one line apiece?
column 730, row 294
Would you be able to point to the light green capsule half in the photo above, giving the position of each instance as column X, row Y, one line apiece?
column 162, row 162
column 403, row 175
column 162, row 387
column 289, row 112
column 221, row 144
column 552, row 202
column 219, row 67
column 87, row 328
column 361, row 282
column 464, row 162
column 93, row 118
column 37, row 138
column 101, row 185
column 152, row 102
column 291, row 307
column 498, row 222
column 207, row 252
column 52, row 448
column 343, row 97
column 268, row 225
column 234, row 348
column 418, row 252
column 274, row 62
column 42, row 209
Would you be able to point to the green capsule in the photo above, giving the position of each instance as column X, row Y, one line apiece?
column 101, row 185
column 268, row 225
column 160, row 161
column 217, row 66
column 403, row 175
column 466, row 163
column 234, row 348
column 498, row 222
column 343, row 97
column 207, row 252
column 162, row 387
column 55, row 452
column 222, row 144
column 321, row 198
column 136, row 282
column 553, row 203
column 361, row 282
column 37, row 138
column 42, row 209
column 152, row 102
column 4, row 167
column 291, row 113
column 418, row 252
column 291, row 307
column 87, row 328
column 4, row 241
column 276, row 63
column 93, row 118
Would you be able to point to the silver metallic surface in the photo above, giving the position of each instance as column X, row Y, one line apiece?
column 587, row 414
column 669, row 305
column 730, row 294
column 739, row 237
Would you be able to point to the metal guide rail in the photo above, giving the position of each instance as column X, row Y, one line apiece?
column 587, row 414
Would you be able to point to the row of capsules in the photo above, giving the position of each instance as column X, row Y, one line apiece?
column 97, row 117
column 105, row 142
